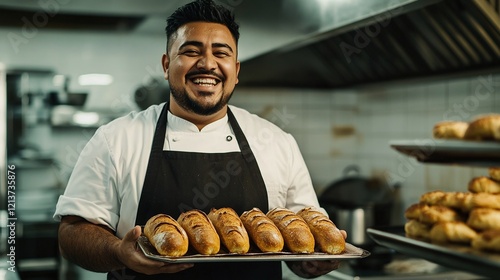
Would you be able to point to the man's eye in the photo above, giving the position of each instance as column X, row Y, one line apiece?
column 221, row 54
column 190, row 52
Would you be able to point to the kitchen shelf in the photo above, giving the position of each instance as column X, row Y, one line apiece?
column 472, row 153
column 459, row 257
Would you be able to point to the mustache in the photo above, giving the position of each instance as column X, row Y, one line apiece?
column 205, row 72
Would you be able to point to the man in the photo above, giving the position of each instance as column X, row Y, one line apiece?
column 194, row 151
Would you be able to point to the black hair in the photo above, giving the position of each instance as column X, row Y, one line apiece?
column 201, row 10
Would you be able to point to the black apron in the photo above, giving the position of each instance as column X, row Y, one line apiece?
column 179, row 181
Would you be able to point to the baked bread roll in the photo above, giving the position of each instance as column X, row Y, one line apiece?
column 296, row 233
column 452, row 232
column 449, row 130
column 413, row 212
column 437, row 213
column 484, row 128
column 263, row 232
column 201, row 233
column 484, row 184
column 166, row 235
column 431, row 214
column 487, row 240
column 455, row 200
column 484, row 219
column 416, row 229
column 494, row 173
column 230, row 229
column 327, row 236
column 485, row 200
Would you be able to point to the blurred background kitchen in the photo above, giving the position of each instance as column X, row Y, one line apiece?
column 345, row 77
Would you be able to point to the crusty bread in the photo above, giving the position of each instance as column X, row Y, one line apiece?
column 414, row 211
column 494, row 173
column 328, row 237
column 416, row 229
column 484, row 128
column 484, row 184
column 487, row 240
column 262, row 231
column 449, row 130
column 455, row 200
column 230, row 229
column 485, row 200
column 166, row 235
column 201, row 232
column 454, row 232
column 431, row 214
column 433, row 198
column 296, row 233
column 484, row 219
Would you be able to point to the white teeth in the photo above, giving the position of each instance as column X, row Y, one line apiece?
column 205, row 81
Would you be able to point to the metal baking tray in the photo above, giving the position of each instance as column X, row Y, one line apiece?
column 458, row 257
column 478, row 153
column 149, row 251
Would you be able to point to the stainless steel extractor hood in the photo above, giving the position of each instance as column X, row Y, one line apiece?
column 383, row 41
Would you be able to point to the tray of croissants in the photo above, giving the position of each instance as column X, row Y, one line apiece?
column 224, row 236
column 475, row 142
column 459, row 228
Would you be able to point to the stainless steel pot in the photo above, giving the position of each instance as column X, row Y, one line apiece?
column 356, row 203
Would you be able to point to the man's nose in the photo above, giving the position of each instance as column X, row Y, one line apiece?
column 207, row 62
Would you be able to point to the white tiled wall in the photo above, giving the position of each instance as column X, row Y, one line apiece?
column 376, row 115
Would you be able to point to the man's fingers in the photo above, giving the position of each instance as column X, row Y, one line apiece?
column 132, row 235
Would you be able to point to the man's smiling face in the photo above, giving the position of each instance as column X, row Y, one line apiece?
column 202, row 67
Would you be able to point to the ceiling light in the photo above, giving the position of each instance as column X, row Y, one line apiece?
column 86, row 118
column 95, row 79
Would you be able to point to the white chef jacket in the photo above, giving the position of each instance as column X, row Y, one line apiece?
column 106, row 183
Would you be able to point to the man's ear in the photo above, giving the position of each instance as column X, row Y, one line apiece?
column 237, row 70
column 164, row 62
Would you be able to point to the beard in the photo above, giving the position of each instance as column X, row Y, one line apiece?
column 193, row 105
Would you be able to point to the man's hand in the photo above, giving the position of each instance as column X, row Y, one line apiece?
column 132, row 257
column 312, row 269
column 96, row 248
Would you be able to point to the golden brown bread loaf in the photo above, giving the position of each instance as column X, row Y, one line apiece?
column 166, row 235
column 487, row 240
column 262, row 231
column 230, row 229
column 449, row 130
column 296, row 233
column 454, row 232
column 416, row 229
column 326, row 234
column 494, row 173
column 484, row 128
column 201, row 233
column 484, row 219
column 484, row 184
